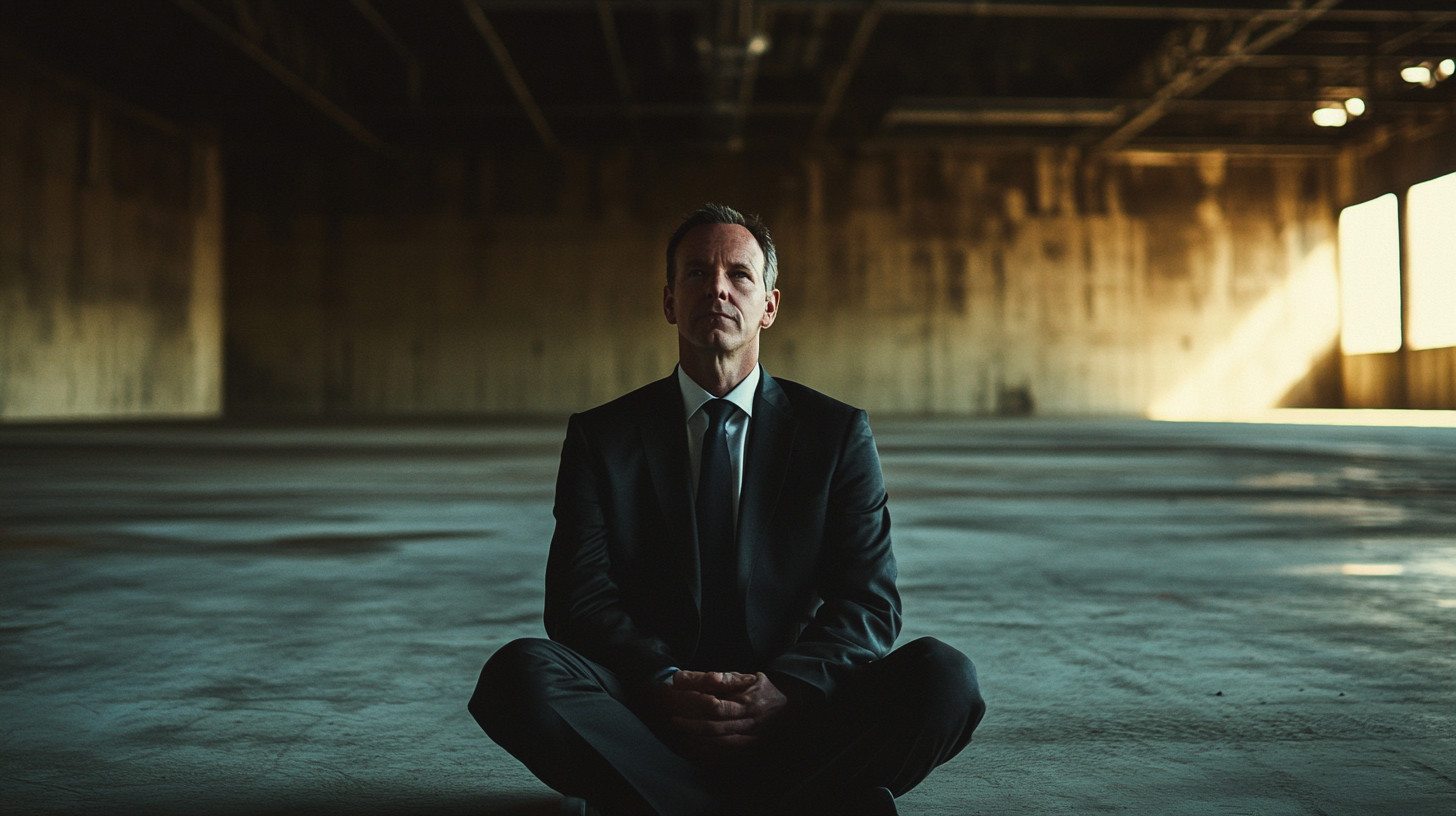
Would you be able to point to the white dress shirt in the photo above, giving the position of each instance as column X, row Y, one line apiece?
column 737, row 425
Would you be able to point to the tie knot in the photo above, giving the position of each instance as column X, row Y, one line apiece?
column 718, row 411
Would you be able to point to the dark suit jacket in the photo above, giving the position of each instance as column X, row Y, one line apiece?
column 814, row 561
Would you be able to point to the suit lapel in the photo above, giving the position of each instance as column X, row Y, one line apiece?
column 766, row 459
column 664, row 438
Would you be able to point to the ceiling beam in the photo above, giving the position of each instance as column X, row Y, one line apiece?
column 1197, row 77
column 285, row 75
column 837, row 88
column 979, row 8
column 13, row 54
column 614, row 53
column 753, row 52
column 989, row 8
column 513, row 77
column 991, row 112
column 1416, row 34
column 809, row 111
column 682, row 110
column 412, row 69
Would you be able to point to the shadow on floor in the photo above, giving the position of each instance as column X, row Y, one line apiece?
column 487, row 805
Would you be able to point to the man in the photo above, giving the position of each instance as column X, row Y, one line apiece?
column 720, row 591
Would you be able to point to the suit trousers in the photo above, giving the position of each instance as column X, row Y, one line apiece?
column 585, row 733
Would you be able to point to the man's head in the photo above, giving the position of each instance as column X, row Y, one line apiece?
column 719, row 214
column 720, row 272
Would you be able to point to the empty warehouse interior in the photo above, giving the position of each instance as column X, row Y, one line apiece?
column 1152, row 306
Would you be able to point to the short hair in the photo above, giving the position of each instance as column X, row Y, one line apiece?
column 720, row 214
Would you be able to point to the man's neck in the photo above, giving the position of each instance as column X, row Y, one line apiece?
column 717, row 373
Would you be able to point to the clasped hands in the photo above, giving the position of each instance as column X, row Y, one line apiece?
column 719, row 711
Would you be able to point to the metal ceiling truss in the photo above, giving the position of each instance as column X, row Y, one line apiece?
column 513, row 77
column 1213, row 41
column 1195, row 78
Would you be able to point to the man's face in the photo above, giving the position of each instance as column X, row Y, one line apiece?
column 718, row 301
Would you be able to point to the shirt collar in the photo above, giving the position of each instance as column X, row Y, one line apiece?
column 694, row 395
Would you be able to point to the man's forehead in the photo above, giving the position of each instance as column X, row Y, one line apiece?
column 707, row 241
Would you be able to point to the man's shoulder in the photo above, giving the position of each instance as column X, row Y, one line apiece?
column 660, row 397
column 631, row 406
column 813, row 405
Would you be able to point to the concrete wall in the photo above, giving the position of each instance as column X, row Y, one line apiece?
column 110, row 260
column 1390, row 162
column 944, row 280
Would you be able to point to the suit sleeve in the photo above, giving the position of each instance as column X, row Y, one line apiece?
column 583, row 604
column 859, row 617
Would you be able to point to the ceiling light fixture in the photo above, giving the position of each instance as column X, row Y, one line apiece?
column 1330, row 116
column 1355, row 106
column 1418, row 75
column 1445, row 68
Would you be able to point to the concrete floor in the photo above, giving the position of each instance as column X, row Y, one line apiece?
column 214, row 619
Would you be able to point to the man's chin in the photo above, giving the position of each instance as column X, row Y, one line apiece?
column 718, row 343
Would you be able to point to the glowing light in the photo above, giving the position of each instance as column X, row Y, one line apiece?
column 1416, row 74
column 1446, row 603
column 1367, row 417
column 1355, row 106
column 1330, row 117
column 1371, row 569
column 1270, row 349
column 757, row 45
column 1431, row 231
column 1446, row 68
column 1370, row 277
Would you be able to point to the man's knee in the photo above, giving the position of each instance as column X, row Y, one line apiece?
column 943, row 680
column 511, row 677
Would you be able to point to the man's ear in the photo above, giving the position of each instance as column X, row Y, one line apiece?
column 770, row 309
column 669, row 306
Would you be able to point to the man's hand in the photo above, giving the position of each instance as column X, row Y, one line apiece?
column 721, row 710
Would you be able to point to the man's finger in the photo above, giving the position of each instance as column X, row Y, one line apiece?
column 717, row 683
column 700, row 706
column 716, row 728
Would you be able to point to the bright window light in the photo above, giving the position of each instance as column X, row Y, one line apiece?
column 1431, row 229
column 1370, row 277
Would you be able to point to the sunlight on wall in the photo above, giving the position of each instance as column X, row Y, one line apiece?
column 1431, row 231
column 1271, row 349
column 1370, row 277
column 1369, row 417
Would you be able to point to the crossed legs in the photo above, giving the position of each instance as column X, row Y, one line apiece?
column 574, row 725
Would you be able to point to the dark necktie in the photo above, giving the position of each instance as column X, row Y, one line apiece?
column 723, row 641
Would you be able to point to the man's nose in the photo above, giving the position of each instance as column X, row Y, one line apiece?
column 720, row 285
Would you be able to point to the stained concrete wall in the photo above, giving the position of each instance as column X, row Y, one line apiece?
column 930, row 280
column 110, row 259
column 1390, row 162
